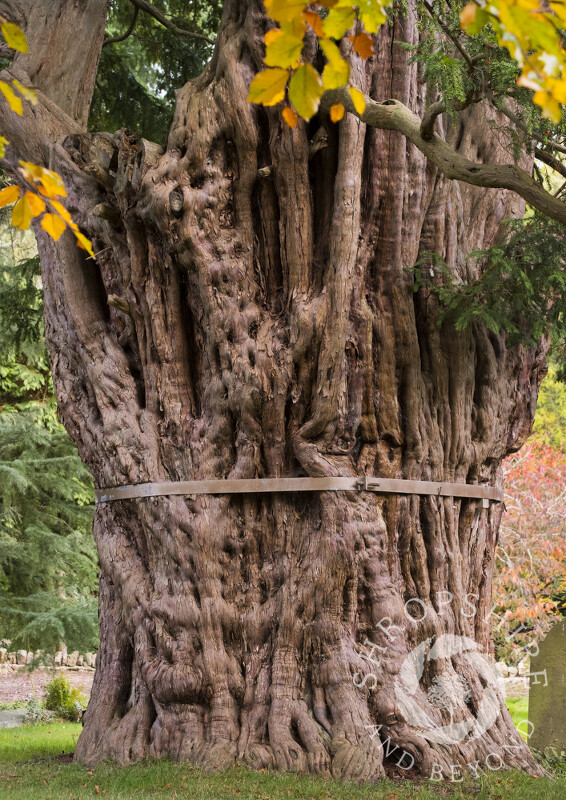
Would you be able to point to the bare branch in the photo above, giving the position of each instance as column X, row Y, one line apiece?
column 154, row 12
column 127, row 33
column 394, row 116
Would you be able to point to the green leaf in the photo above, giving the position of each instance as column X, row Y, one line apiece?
column 305, row 91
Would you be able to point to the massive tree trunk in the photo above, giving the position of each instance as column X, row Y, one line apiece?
column 268, row 327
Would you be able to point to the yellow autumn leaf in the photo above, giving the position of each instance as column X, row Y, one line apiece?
column 21, row 214
column 25, row 92
column 337, row 71
column 283, row 51
column 338, row 21
column 305, row 90
column 14, row 101
column 9, row 195
column 31, row 172
column 84, row 243
column 272, row 35
column 14, row 36
column 296, row 27
column 336, row 112
column 550, row 107
column 468, row 15
column 357, row 99
column 559, row 9
column 51, row 185
column 53, row 225
column 268, row 87
column 480, row 20
column 371, row 14
column 35, row 202
column 285, row 10
column 290, row 116
column 3, row 143
column 62, row 211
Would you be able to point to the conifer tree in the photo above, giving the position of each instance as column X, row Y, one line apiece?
column 48, row 563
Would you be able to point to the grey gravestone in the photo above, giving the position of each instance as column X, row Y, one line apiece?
column 13, row 718
column 547, row 692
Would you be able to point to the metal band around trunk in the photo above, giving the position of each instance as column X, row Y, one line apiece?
column 260, row 485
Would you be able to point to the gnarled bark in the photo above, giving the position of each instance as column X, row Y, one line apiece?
column 265, row 324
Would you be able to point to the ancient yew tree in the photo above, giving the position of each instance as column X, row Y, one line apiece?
column 242, row 322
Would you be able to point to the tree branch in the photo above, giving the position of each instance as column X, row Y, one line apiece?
column 394, row 116
column 440, row 107
column 454, row 39
column 154, row 12
column 518, row 122
column 128, row 32
column 6, row 52
column 547, row 159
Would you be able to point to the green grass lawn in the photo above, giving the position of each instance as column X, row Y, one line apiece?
column 519, row 710
column 33, row 767
column 20, row 744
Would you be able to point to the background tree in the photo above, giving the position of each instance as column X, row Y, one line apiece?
column 529, row 587
column 249, row 312
column 143, row 63
column 48, row 563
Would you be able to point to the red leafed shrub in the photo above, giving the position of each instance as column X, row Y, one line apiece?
column 530, row 584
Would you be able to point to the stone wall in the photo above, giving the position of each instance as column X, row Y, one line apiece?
column 62, row 658
column 513, row 681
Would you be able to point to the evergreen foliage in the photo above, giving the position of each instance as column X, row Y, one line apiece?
column 48, row 563
column 521, row 288
column 489, row 75
column 137, row 77
column 24, row 363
